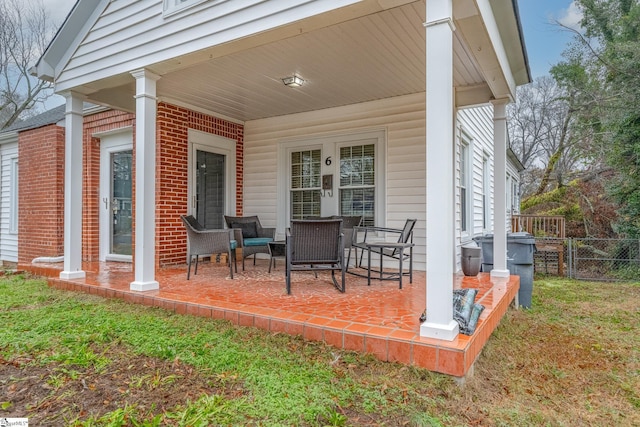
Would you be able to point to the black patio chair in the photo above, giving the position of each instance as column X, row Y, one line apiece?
column 315, row 245
column 349, row 222
column 205, row 242
column 250, row 235
column 374, row 240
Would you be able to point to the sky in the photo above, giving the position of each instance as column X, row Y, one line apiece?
column 544, row 39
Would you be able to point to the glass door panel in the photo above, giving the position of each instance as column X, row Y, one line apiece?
column 210, row 189
column 305, row 187
column 121, row 163
column 357, row 182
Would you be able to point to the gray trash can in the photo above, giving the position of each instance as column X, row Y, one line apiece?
column 486, row 245
column 520, row 249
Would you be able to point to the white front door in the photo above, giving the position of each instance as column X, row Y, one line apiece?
column 116, row 167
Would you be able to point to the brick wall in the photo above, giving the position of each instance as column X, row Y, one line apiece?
column 172, row 174
column 41, row 193
column 41, row 178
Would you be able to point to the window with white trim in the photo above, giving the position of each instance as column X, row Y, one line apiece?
column 305, row 189
column 13, row 195
column 485, row 191
column 465, row 187
column 353, row 165
column 171, row 6
column 357, row 182
column 508, row 196
column 514, row 197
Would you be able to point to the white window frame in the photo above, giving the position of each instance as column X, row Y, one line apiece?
column 486, row 192
column 508, row 196
column 291, row 190
column 212, row 143
column 331, row 148
column 174, row 6
column 112, row 141
column 13, row 197
column 466, row 182
column 515, row 196
column 376, row 185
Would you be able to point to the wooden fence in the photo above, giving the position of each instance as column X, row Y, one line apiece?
column 539, row 225
column 549, row 234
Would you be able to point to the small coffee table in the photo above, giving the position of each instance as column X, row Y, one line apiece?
column 277, row 249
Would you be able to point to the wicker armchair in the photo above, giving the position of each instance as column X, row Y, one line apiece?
column 314, row 245
column 201, row 241
column 250, row 235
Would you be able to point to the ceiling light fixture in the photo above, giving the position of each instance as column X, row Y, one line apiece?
column 293, row 81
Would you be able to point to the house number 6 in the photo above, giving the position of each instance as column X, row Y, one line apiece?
column 327, row 161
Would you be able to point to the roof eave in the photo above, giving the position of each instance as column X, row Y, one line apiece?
column 68, row 36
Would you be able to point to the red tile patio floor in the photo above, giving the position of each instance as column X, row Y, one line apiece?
column 379, row 319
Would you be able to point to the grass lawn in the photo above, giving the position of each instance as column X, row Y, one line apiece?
column 72, row 359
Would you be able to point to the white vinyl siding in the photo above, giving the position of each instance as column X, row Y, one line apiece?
column 477, row 124
column 9, row 202
column 403, row 121
column 133, row 34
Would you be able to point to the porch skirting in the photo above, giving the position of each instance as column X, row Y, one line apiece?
column 379, row 319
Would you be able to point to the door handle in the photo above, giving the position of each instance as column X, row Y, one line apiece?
column 105, row 200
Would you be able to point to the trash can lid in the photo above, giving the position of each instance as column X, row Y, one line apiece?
column 521, row 237
column 486, row 237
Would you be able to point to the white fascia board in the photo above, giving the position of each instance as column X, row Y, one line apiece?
column 491, row 26
column 8, row 137
column 156, row 52
column 73, row 30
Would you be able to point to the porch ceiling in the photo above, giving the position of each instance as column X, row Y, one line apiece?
column 376, row 56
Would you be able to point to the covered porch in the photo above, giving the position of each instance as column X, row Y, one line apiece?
column 379, row 319
column 415, row 91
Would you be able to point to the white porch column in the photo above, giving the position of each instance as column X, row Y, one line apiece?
column 500, row 191
column 145, row 196
column 440, row 174
column 73, row 188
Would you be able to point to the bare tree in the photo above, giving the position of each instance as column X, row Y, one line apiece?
column 24, row 34
column 541, row 134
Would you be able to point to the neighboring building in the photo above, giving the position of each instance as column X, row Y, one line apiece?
column 31, row 195
column 402, row 102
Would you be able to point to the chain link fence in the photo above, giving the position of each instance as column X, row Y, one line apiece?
column 589, row 259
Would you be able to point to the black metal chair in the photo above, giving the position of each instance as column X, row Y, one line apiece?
column 315, row 245
column 371, row 240
column 250, row 235
column 349, row 222
column 204, row 242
